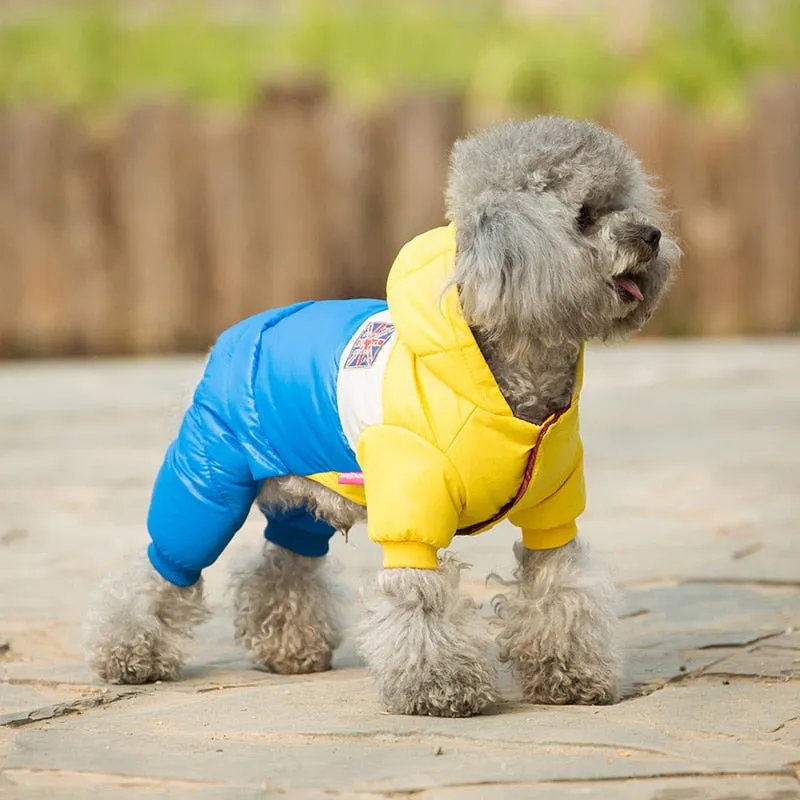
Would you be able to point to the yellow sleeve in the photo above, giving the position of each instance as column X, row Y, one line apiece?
column 414, row 495
column 551, row 523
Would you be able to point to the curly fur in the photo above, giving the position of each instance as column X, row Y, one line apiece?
column 139, row 624
column 549, row 214
column 292, row 491
column 559, row 628
column 286, row 612
column 425, row 644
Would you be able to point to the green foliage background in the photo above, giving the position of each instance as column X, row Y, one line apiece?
column 91, row 60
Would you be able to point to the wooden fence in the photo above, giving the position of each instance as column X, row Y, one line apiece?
column 154, row 234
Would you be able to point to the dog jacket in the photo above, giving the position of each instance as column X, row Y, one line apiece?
column 397, row 391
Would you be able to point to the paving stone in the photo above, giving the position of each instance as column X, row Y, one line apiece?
column 337, row 763
column 21, row 697
column 761, row 662
column 646, row 668
column 742, row 709
column 789, row 640
column 698, row 616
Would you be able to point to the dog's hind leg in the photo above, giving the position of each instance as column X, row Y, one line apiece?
column 425, row 643
column 138, row 625
column 559, row 627
column 286, row 611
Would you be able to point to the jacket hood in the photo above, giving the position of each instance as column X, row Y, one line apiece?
column 429, row 319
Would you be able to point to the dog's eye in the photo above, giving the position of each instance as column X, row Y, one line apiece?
column 585, row 217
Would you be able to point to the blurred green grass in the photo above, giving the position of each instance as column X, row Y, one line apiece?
column 89, row 59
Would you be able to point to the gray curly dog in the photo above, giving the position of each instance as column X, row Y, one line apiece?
column 559, row 238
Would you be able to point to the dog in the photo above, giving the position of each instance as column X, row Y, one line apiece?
column 443, row 412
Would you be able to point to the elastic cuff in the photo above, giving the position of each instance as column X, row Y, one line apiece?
column 178, row 576
column 549, row 539
column 309, row 545
column 414, row 555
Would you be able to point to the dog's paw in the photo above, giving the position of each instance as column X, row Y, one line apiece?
column 557, row 664
column 285, row 613
column 287, row 649
column 142, row 656
column 138, row 624
column 464, row 694
column 554, row 681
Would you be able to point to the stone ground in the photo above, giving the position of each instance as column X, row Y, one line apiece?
column 693, row 462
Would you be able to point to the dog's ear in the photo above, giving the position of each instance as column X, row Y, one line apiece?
column 523, row 269
column 484, row 267
column 518, row 265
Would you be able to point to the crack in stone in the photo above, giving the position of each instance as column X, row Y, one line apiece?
column 639, row 612
column 46, row 683
column 756, row 640
column 428, row 739
column 414, row 794
column 119, row 778
column 771, row 583
column 225, row 686
column 737, row 677
column 706, row 670
column 749, row 550
column 22, row 718
column 784, row 724
column 673, row 581
column 651, row 687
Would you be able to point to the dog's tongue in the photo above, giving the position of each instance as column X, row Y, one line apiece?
column 629, row 286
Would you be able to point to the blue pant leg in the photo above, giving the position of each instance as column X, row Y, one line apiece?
column 298, row 530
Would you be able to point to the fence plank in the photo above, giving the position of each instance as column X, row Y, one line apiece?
column 354, row 235
column 34, row 141
column 91, row 246
column 655, row 133
column 716, row 232
column 419, row 132
column 9, row 275
column 227, row 220
column 291, row 258
column 777, row 186
column 156, row 193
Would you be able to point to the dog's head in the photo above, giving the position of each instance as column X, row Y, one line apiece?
column 559, row 234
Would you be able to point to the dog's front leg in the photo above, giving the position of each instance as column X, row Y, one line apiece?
column 559, row 627
column 138, row 625
column 425, row 643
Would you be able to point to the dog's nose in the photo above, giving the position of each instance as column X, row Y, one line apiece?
column 651, row 235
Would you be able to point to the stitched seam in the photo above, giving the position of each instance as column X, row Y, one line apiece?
column 459, row 431
column 251, row 386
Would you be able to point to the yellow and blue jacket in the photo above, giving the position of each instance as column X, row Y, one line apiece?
column 397, row 392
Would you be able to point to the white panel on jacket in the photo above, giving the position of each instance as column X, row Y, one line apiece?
column 359, row 388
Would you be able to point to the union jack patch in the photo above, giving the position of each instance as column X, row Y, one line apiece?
column 366, row 347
